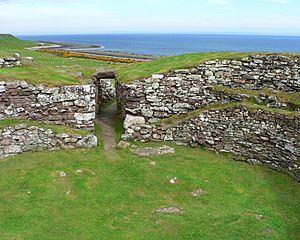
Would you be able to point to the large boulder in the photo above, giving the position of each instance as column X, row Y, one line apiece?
column 88, row 141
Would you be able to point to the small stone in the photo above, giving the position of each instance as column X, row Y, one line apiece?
column 79, row 171
column 17, row 55
column 197, row 192
column 29, row 59
column 62, row 174
column 123, row 144
column 153, row 163
column 173, row 180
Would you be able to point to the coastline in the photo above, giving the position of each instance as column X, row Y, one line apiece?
column 91, row 49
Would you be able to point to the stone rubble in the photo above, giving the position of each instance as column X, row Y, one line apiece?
column 10, row 62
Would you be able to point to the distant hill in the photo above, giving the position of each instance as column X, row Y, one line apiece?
column 6, row 38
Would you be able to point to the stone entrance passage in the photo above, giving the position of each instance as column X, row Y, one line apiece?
column 106, row 121
column 105, row 82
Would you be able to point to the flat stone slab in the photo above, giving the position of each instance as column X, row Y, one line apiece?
column 148, row 151
column 171, row 209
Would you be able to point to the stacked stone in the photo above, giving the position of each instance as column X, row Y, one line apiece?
column 259, row 136
column 23, row 138
column 181, row 91
column 9, row 62
column 105, row 82
column 69, row 105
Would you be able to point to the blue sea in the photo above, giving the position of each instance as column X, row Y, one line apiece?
column 172, row 44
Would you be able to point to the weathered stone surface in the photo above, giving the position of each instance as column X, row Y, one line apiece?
column 133, row 120
column 148, row 151
column 69, row 105
column 88, row 141
column 23, row 138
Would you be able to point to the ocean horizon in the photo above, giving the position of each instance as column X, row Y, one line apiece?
column 173, row 44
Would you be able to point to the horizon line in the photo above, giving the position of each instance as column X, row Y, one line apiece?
column 160, row 33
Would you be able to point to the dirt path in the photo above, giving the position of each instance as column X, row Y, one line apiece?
column 107, row 120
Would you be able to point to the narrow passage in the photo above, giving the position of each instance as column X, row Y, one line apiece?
column 107, row 121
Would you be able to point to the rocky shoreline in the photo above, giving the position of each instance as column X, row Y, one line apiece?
column 91, row 49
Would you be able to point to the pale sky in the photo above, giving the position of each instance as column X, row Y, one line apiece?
column 34, row 17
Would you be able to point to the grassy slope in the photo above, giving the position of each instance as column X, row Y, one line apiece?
column 117, row 193
column 55, row 128
column 166, row 64
column 44, row 69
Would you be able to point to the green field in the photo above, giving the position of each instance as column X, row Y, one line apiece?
column 116, row 195
column 48, row 68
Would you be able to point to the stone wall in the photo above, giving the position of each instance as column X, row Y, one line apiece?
column 181, row 91
column 261, row 137
column 9, row 62
column 23, row 138
column 69, row 105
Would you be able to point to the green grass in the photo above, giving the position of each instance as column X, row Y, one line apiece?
column 47, row 68
column 116, row 195
column 178, row 118
column 167, row 64
column 55, row 128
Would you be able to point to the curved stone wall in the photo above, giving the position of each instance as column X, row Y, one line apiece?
column 181, row 91
column 261, row 137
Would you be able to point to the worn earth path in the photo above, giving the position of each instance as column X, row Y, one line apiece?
column 106, row 121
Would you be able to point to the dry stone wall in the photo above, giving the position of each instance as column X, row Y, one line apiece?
column 181, row 91
column 23, row 138
column 9, row 62
column 259, row 136
column 69, row 105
